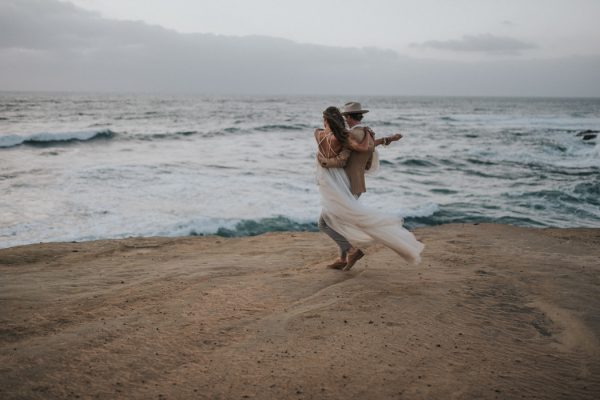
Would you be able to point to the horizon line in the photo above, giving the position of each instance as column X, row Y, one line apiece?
column 354, row 95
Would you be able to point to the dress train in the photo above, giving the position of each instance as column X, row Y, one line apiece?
column 359, row 224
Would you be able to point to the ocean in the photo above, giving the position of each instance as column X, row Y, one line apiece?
column 76, row 167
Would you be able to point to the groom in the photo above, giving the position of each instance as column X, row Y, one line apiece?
column 355, row 164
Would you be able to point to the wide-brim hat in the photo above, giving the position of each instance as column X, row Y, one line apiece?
column 353, row 107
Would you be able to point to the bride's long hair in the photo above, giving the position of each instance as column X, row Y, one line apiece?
column 335, row 120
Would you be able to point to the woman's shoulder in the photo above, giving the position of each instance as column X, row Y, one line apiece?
column 320, row 133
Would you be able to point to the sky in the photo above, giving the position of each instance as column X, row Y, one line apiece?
column 428, row 47
column 457, row 29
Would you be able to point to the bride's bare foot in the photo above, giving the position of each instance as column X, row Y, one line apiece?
column 337, row 264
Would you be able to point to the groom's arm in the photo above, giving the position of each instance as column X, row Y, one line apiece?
column 359, row 139
column 385, row 140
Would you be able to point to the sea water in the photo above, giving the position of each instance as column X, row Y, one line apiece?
column 92, row 166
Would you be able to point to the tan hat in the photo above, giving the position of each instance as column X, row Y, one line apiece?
column 353, row 108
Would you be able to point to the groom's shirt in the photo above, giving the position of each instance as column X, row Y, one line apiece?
column 354, row 163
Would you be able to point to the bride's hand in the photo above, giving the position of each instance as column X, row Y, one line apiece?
column 322, row 160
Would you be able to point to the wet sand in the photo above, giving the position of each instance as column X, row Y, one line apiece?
column 493, row 311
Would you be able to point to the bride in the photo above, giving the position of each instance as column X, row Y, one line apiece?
column 342, row 211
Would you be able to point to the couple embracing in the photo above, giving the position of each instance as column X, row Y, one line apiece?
column 344, row 154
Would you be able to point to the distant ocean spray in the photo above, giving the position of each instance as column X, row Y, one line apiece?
column 91, row 166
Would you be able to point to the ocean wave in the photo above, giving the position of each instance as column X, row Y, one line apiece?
column 234, row 228
column 415, row 162
column 480, row 162
column 384, row 123
column 54, row 138
column 450, row 119
column 168, row 135
column 446, row 216
column 582, row 194
column 280, row 223
column 574, row 171
column 185, row 133
column 589, row 192
column 482, row 174
column 549, row 195
column 554, row 146
column 281, row 127
column 443, row 191
column 425, row 210
column 274, row 224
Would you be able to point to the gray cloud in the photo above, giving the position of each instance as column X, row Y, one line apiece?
column 485, row 43
column 49, row 45
column 54, row 25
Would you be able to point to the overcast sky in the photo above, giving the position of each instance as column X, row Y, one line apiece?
column 452, row 29
column 459, row 47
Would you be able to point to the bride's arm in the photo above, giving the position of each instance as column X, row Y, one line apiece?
column 339, row 161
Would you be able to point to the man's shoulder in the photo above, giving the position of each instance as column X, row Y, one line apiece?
column 358, row 132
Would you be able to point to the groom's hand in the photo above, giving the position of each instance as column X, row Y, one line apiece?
column 395, row 137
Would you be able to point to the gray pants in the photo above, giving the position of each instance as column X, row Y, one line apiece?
column 341, row 241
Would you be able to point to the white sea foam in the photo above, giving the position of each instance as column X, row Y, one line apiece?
column 425, row 210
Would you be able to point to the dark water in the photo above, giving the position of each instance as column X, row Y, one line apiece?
column 87, row 166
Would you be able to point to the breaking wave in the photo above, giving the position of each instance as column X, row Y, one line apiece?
column 54, row 138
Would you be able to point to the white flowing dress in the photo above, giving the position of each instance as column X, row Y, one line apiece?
column 359, row 224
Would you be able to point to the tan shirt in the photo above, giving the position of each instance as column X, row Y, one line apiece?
column 354, row 163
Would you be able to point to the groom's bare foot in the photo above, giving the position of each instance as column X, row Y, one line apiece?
column 353, row 257
column 337, row 264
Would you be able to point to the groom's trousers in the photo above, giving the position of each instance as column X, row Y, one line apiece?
column 341, row 241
